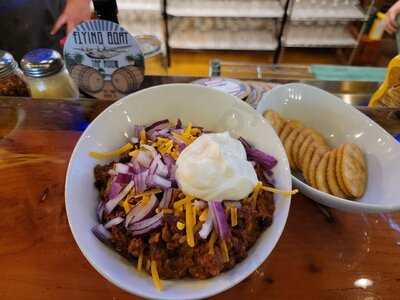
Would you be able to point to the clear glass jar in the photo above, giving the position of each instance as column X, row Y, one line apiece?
column 47, row 75
column 12, row 81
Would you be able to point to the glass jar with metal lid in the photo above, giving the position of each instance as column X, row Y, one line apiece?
column 47, row 75
column 12, row 82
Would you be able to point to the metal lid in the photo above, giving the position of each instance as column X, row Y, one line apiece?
column 41, row 63
column 7, row 63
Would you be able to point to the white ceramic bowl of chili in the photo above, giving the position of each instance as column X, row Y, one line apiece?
column 202, row 106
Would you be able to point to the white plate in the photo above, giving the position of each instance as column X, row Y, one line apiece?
column 202, row 106
column 342, row 123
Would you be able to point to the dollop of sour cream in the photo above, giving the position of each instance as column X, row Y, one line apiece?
column 215, row 168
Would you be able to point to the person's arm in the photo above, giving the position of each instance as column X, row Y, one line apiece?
column 75, row 12
column 391, row 24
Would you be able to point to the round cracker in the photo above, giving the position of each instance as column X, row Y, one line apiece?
column 302, row 146
column 287, row 129
column 303, row 134
column 315, row 159
column 354, row 170
column 307, row 159
column 321, row 181
column 302, row 151
column 288, row 143
column 339, row 172
column 333, row 185
column 275, row 119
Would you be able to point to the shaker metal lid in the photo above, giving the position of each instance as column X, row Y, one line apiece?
column 7, row 63
column 41, row 62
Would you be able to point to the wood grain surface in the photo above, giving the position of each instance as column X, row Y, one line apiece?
column 322, row 254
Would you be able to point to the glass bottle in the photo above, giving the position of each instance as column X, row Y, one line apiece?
column 47, row 75
column 12, row 81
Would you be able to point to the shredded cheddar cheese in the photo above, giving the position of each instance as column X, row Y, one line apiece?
column 189, row 223
column 182, row 138
column 143, row 138
column 194, row 215
column 255, row 194
column 148, row 193
column 110, row 154
column 204, row 215
column 140, row 262
column 183, row 201
column 283, row 193
column 134, row 153
column 225, row 252
column 154, row 275
column 211, row 242
column 234, row 221
column 127, row 206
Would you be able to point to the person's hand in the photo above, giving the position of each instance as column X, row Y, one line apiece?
column 75, row 12
column 390, row 20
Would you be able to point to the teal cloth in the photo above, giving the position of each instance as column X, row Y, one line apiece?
column 338, row 73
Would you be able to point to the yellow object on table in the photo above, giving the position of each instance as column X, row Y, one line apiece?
column 388, row 94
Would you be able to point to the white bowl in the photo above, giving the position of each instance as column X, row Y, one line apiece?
column 342, row 123
column 204, row 107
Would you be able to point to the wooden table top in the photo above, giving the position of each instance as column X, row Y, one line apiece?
column 322, row 254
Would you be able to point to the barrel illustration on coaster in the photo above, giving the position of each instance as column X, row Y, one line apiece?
column 104, row 60
column 90, row 80
column 127, row 79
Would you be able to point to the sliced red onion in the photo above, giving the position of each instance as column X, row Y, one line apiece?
column 134, row 167
column 115, row 189
column 141, row 211
column 157, row 126
column 153, row 167
column 123, row 178
column 178, row 124
column 140, row 181
column 113, row 222
column 145, row 224
column 157, row 133
column 161, row 169
column 148, row 229
column 111, row 204
column 102, row 234
column 166, row 199
column 143, row 159
column 206, row 227
column 152, row 150
column 170, row 163
column 266, row 161
column 158, row 181
column 200, row 204
column 121, row 168
column 168, row 160
column 219, row 219
column 100, row 211
column 134, row 140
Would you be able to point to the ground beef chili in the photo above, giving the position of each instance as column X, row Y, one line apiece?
column 167, row 244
